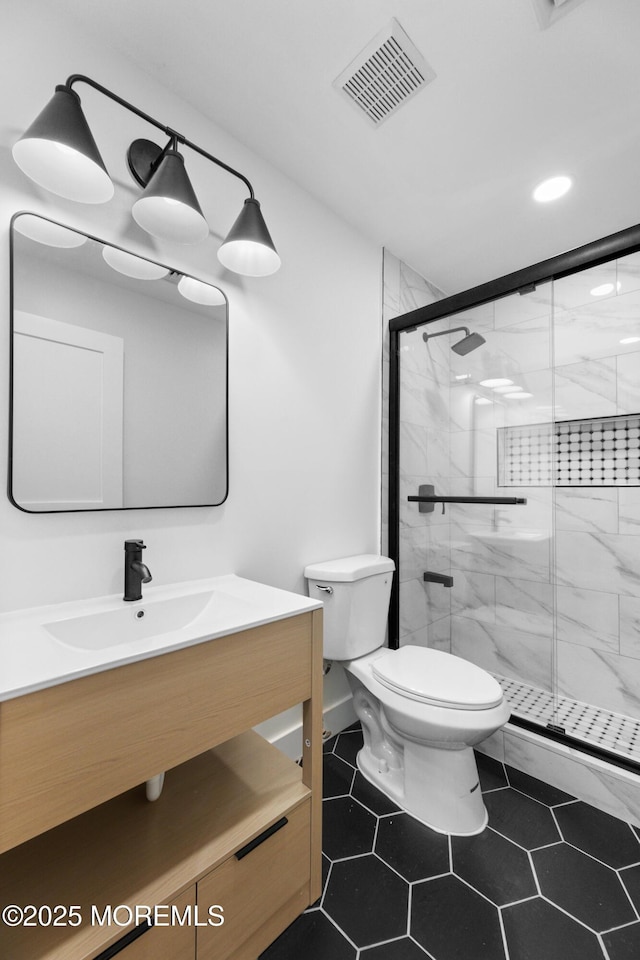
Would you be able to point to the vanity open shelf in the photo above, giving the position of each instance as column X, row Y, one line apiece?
column 178, row 849
column 77, row 829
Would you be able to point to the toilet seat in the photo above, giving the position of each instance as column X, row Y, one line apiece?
column 438, row 678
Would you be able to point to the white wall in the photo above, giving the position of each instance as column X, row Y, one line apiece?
column 304, row 352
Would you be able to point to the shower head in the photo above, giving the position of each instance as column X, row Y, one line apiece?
column 471, row 342
column 468, row 343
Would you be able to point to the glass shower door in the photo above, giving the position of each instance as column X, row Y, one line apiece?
column 596, row 346
column 475, row 426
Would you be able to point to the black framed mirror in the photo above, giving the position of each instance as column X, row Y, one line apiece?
column 119, row 377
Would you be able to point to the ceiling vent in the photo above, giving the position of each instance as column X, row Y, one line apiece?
column 387, row 73
column 548, row 11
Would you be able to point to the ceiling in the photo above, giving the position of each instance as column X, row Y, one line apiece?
column 445, row 183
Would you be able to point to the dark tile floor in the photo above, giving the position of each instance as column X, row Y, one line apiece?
column 551, row 878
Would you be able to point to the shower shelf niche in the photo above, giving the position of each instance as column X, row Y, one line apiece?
column 594, row 452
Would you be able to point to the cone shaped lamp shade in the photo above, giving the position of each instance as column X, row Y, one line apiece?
column 168, row 208
column 47, row 232
column 248, row 248
column 200, row 292
column 132, row 266
column 59, row 153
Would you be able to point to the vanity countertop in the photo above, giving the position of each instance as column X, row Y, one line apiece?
column 44, row 646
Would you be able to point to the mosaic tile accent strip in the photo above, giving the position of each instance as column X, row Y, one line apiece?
column 602, row 452
column 601, row 728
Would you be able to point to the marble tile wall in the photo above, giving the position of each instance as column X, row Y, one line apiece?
column 424, row 443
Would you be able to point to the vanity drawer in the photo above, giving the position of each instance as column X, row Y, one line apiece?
column 261, row 893
column 171, row 942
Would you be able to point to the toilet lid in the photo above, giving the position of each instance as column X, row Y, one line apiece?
column 439, row 678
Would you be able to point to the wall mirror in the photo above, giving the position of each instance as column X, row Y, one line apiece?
column 118, row 377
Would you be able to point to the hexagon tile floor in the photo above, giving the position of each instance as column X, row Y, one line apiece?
column 551, row 878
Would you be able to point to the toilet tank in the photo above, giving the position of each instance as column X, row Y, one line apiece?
column 355, row 592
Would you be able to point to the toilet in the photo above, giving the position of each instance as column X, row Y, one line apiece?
column 421, row 710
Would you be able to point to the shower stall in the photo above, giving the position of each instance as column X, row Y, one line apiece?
column 514, row 490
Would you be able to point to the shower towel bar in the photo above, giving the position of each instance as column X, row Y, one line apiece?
column 467, row 499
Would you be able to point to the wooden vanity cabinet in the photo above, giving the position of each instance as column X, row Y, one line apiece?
column 69, row 747
column 262, row 892
column 174, row 942
column 238, row 825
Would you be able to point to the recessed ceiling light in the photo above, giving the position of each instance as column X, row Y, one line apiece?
column 511, row 389
column 497, row 382
column 630, row 340
column 463, row 376
column 551, row 189
column 482, row 401
column 518, row 396
column 602, row 290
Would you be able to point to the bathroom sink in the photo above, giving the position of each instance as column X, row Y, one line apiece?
column 44, row 646
column 128, row 624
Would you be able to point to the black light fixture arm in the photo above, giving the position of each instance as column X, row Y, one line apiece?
column 172, row 134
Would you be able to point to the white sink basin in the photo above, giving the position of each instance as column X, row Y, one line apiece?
column 129, row 624
column 44, row 646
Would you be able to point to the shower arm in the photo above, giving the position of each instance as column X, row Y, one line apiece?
column 441, row 333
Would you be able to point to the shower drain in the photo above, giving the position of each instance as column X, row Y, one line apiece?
column 611, row 731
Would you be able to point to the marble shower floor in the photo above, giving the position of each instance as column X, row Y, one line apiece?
column 614, row 732
column 551, row 878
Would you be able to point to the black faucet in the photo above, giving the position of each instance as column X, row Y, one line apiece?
column 442, row 578
column 135, row 571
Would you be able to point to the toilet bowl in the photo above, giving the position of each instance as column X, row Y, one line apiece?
column 421, row 710
column 434, row 710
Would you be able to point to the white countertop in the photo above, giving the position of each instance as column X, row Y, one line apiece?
column 33, row 658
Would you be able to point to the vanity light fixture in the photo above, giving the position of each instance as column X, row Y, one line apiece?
column 59, row 153
column 45, row 231
column 132, row 266
column 168, row 208
column 140, row 269
column 199, row 292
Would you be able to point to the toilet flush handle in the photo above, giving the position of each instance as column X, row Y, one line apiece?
column 328, row 590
